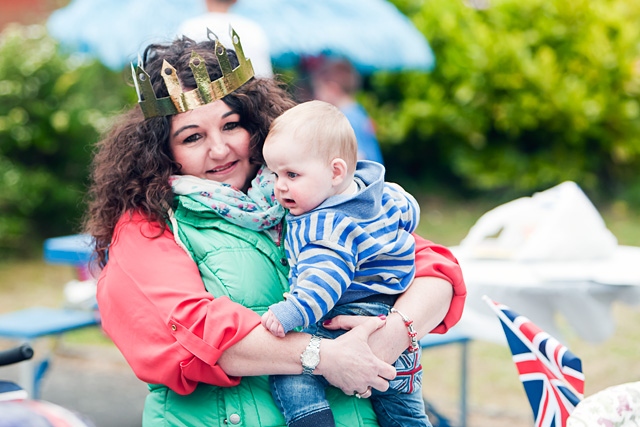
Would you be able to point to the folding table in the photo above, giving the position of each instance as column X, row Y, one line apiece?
column 455, row 337
column 35, row 323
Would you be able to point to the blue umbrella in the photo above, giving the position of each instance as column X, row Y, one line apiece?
column 115, row 31
column 372, row 34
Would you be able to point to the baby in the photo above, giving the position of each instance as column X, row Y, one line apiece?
column 350, row 249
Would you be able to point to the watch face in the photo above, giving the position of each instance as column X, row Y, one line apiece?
column 310, row 359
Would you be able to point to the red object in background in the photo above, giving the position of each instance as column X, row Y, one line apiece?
column 27, row 11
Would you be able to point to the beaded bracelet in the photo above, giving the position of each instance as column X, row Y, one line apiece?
column 411, row 331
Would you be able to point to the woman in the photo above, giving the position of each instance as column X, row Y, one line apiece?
column 185, row 282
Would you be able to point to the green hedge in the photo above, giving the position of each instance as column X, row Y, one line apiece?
column 524, row 95
column 52, row 109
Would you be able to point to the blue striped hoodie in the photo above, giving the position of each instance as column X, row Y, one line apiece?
column 348, row 248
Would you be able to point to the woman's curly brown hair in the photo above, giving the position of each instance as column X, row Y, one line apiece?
column 132, row 164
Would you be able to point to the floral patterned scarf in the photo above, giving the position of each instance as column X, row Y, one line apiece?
column 256, row 210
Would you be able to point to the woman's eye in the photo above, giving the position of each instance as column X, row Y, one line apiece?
column 231, row 125
column 192, row 138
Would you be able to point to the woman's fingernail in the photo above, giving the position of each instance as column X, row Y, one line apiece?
column 382, row 316
column 326, row 322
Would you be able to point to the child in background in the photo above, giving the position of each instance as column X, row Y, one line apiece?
column 336, row 81
column 350, row 250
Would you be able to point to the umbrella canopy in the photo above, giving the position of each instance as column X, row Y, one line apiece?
column 372, row 34
column 115, row 31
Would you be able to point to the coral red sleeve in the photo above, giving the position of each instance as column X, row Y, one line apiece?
column 433, row 260
column 155, row 308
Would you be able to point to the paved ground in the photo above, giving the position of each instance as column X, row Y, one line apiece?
column 95, row 382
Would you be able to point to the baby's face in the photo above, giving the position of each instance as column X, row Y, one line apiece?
column 303, row 182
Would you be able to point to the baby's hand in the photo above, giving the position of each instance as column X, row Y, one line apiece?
column 271, row 322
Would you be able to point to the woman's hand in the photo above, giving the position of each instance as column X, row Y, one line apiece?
column 387, row 343
column 426, row 302
column 349, row 364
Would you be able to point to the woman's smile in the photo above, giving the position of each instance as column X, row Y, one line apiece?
column 221, row 170
column 209, row 143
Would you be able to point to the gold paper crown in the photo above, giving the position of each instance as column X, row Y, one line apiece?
column 206, row 91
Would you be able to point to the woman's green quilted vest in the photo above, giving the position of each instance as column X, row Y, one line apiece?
column 250, row 269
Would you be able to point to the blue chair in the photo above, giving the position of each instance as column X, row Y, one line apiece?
column 75, row 250
column 456, row 338
column 36, row 323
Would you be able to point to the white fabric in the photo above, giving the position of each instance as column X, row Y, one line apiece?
column 547, row 255
column 581, row 291
column 253, row 38
column 557, row 224
column 617, row 406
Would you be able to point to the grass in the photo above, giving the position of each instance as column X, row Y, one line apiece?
column 31, row 283
column 495, row 393
column 496, row 396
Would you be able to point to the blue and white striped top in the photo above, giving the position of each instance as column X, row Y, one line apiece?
column 348, row 248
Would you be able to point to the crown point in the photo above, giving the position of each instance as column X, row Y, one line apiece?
column 206, row 91
column 211, row 33
column 135, row 82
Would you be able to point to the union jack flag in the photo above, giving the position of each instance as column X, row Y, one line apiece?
column 408, row 372
column 551, row 375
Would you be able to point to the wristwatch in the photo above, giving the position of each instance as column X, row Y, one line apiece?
column 310, row 358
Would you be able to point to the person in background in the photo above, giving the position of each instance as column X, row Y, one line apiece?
column 189, row 234
column 336, row 81
column 218, row 19
column 350, row 251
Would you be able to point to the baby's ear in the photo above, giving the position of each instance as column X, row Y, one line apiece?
column 339, row 170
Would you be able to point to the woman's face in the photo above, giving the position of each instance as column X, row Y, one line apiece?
column 209, row 143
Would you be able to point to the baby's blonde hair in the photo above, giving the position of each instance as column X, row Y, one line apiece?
column 322, row 128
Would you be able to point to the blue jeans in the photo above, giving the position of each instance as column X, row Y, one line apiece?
column 299, row 396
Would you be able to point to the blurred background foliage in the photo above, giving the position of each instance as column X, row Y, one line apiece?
column 52, row 108
column 524, row 95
